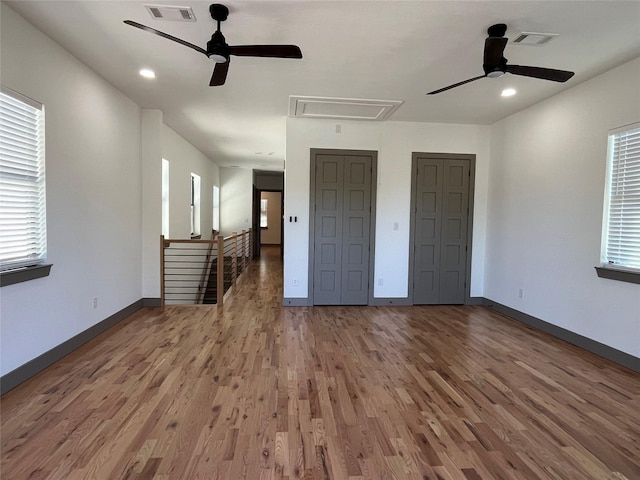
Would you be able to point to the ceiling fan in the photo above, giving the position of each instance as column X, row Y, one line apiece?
column 218, row 49
column 495, row 65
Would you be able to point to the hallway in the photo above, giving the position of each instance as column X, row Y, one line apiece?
column 258, row 391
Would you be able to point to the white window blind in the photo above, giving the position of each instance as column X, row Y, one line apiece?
column 165, row 198
column 216, row 208
column 263, row 213
column 23, row 238
column 622, row 215
column 195, row 204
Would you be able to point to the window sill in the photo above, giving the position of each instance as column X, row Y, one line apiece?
column 620, row 275
column 19, row 275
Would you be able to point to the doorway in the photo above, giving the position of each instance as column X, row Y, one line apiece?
column 441, row 228
column 270, row 219
column 342, row 226
column 266, row 184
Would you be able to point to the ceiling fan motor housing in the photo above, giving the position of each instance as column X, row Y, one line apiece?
column 496, row 70
column 217, row 48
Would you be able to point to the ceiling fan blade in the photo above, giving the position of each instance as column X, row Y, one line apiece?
column 165, row 35
column 493, row 50
column 538, row 72
column 219, row 73
column 278, row 51
column 456, row 85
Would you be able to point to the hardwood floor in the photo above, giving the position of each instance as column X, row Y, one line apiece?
column 258, row 391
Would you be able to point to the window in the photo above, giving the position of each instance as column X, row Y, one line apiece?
column 23, row 226
column 216, row 209
column 165, row 198
column 195, row 205
column 263, row 213
column 621, row 223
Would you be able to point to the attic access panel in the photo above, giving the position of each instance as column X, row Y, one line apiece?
column 342, row 108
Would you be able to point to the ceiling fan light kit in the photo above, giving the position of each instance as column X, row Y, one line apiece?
column 495, row 65
column 219, row 51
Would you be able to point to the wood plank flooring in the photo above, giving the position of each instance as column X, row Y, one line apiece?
column 258, row 391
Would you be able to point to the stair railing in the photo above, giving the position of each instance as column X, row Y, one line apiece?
column 236, row 251
column 204, row 279
column 187, row 271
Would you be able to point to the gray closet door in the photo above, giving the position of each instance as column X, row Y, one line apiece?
column 453, row 250
column 355, row 232
column 428, row 226
column 327, row 268
column 440, row 250
column 342, row 229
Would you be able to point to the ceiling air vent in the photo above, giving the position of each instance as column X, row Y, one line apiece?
column 534, row 39
column 173, row 14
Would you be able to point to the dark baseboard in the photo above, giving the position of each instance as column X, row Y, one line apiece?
column 394, row 301
column 296, row 302
column 475, row 301
column 31, row 368
column 151, row 302
column 592, row 346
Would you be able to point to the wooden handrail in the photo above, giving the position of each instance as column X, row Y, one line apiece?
column 169, row 241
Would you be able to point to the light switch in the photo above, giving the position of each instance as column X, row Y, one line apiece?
column 395, row 225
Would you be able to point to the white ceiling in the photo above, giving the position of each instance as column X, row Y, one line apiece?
column 391, row 50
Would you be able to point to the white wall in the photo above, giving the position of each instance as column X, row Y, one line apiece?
column 236, row 198
column 151, row 161
column 394, row 142
column 272, row 234
column 93, row 197
column 185, row 159
column 545, row 210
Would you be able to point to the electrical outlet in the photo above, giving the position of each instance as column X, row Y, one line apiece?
column 380, row 282
column 521, row 293
column 295, row 282
column 95, row 302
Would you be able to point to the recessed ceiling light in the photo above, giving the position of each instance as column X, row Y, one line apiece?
column 508, row 92
column 146, row 73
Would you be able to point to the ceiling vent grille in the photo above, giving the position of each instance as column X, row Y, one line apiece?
column 534, row 39
column 172, row 14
